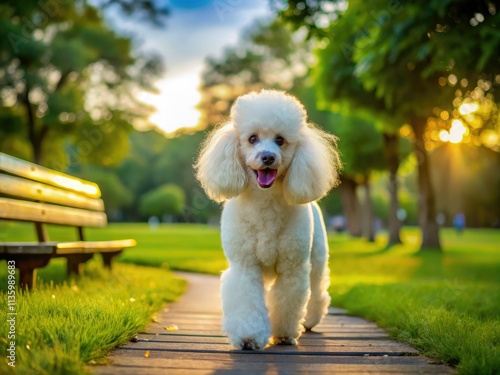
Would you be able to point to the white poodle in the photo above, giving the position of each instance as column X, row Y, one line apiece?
column 268, row 164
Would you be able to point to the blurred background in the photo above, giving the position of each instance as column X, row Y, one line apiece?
column 122, row 93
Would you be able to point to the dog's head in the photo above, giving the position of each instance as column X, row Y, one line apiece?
column 268, row 139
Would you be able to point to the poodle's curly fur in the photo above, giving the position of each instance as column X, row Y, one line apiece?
column 269, row 165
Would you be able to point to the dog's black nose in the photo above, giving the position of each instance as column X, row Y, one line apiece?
column 268, row 158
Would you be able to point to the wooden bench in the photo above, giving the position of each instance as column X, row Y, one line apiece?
column 29, row 192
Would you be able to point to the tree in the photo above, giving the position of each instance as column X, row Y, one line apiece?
column 115, row 194
column 469, row 183
column 419, row 46
column 346, row 94
column 68, row 79
column 167, row 199
column 145, row 10
column 361, row 147
column 153, row 161
column 401, row 61
column 393, row 155
column 267, row 56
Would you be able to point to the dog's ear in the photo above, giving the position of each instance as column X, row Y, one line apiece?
column 219, row 166
column 313, row 169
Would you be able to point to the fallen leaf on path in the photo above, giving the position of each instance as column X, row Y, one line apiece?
column 147, row 354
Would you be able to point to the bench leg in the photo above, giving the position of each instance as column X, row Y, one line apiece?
column 108, row 258
column 74, row 262
column 27, row 278
column 27, row 270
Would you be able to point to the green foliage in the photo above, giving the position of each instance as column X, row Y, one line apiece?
column 403, row 58
column 407, row 203
column 332, row 204
column 380, row 205
column 64, row 71
column 167, row 199
column 143, row 10
column 115, row 194
column 267, row 56
column 153, row 161
column 444, row 305
column 360, row 145
column 135, row 170
column 469, row 183
column 399, row 62
column 60, row 328
column 398, row 51
column 12, row 133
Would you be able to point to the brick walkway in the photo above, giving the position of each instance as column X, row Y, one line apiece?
column 187, row 339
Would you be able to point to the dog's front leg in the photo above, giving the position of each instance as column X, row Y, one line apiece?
column 245, row 319
column 287, row 303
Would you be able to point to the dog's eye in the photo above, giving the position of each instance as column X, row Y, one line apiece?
column 280, row 141
column 253, row 139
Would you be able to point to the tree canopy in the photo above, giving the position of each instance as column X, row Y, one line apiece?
column 167, row 199
column 399, row 62
column 68, row 81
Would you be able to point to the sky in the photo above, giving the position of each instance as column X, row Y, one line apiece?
column 194, row 30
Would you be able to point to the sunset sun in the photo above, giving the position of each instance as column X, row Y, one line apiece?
column 175, row 103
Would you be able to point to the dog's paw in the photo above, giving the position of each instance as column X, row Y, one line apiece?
column 249, row 344
column 312, row 320
column 284, row 341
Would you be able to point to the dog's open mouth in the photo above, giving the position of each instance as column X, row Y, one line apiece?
column 266, row 177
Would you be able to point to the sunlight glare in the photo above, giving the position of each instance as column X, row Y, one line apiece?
column 456, row 133
column 468, row 108
column 444, row 135
column 175, row 103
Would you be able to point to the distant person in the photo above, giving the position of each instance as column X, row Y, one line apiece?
column 459, row 222
column 153, row 223
column 441, row 219
column 338, row 223
column 402, row 214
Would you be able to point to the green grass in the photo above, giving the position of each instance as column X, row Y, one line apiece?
column 66, row 324
column 446, row 305
column 182, row 247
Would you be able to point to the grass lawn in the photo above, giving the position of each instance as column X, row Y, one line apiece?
column 67, row 324
column 182, row 247
column 447, row 305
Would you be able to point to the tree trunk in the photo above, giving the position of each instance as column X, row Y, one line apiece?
column 35, row 139
column 392, row 157
column 369, row 231
column 350, row 205
column 426, row 196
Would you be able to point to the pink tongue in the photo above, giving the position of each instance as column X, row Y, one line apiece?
column 266, row 176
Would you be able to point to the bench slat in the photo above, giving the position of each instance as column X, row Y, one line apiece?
column 93, row 246
column 64, row 248
column 28, row 247
column 27, row 189
column 38, row 173
column 47, row 213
